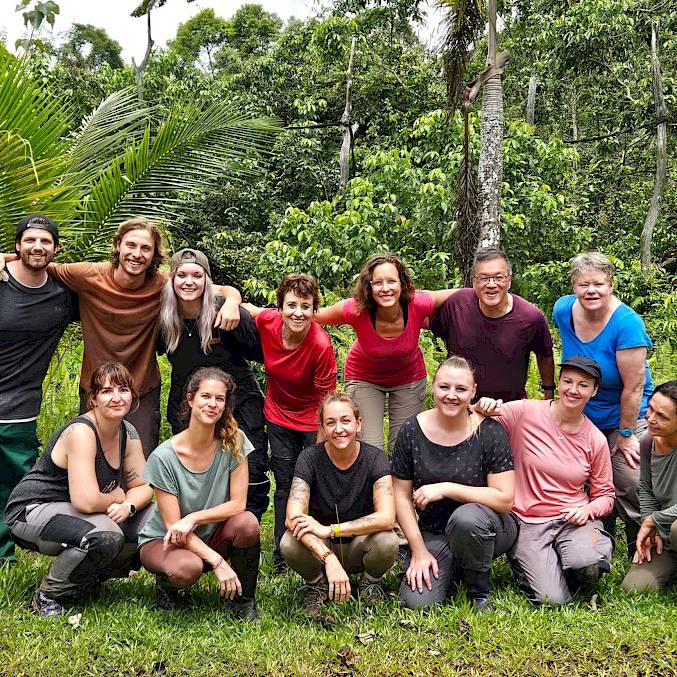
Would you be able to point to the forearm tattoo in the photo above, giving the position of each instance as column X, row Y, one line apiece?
column 130, row 475
column 299, row 492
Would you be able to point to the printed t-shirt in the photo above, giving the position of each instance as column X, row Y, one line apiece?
column 498, row 348
column 625, row 329
column 32, row 320
column 341, row 495
column 194, row 490
column 118, row 324
column 298, row 379
column 658, row 488
column 419, row 460
column 553, row 467
column 387, row 362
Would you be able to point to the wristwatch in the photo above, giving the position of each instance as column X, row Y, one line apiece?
column 131, row 507
column 626, row 432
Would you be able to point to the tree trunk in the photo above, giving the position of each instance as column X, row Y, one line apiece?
column 138, row 70
column 345, row 121
column 574, row 115
column 491, row 151
column 661, row 153
column 531, row 101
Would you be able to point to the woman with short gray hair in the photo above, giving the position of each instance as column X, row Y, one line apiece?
column 595, row 323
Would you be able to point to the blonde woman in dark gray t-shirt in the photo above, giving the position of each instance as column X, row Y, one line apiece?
column 200, row 477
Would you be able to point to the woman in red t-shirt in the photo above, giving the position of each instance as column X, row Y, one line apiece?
column 387, row 313
column 301, row 370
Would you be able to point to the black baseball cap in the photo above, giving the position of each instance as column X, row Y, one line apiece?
column 37, row 221
column 585, row 364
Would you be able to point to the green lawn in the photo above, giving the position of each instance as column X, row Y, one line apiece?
column 122, row 633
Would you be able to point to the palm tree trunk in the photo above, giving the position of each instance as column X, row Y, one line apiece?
column 491, row 151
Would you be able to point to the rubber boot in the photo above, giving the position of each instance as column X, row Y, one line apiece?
column 245, row 563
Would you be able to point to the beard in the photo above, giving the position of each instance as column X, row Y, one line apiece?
column 32, row 265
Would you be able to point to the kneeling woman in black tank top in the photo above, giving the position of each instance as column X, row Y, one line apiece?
column 84, row 501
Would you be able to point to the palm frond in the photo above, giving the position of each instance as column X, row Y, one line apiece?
column 191, row 148
column 464, row 24
column 33, row 123
column 118, row 119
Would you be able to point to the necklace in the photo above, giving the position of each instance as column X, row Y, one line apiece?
column 347, row 463
column 190, row 328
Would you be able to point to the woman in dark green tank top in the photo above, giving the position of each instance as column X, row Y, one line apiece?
column 85, row 501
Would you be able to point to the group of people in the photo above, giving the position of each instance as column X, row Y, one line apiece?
column 483, row 473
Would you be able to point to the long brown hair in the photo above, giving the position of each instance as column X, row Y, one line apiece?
column 362, row 289
column 225, row 429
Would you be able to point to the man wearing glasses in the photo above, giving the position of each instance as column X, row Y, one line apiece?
column 496, row 331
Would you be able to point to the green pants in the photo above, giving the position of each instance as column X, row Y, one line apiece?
column 18, row 451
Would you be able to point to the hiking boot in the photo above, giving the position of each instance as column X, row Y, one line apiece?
column 314, row 596
column 44, row 606
column 371, row 592
column 166, row 597
column 244, row 609
column 481, row 605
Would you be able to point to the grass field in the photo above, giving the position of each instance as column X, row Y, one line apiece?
column 122, row 634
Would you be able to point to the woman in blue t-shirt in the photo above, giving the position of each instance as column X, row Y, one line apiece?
column 594, row 322
column 200, row 479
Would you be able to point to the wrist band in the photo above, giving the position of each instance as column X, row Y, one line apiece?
column 335, row 531
column 548, row 387
column 323, row 559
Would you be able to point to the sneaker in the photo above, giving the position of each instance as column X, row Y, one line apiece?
column 244, row 609
column 166, row 597
column 314, row 596
column 371, row 592
column 44, row 606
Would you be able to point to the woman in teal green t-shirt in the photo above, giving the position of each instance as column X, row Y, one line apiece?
column 200, row 479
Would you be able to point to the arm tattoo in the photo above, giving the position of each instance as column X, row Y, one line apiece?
column 360, row 523
column 132, row 432
column 315, row 545
column 384, row 486
column 131, row 475
column 299, row 492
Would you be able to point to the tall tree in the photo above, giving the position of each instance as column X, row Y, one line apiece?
column 661, row 152
column 89, row 47
column 198, row 40
column 465, row 21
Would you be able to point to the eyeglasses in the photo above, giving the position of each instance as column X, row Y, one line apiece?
column 380, row 284
column 485, row 279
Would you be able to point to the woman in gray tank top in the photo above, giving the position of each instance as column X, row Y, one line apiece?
column 85, row 501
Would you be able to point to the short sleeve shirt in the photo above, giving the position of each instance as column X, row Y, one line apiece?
column 298, row 379
column 32, row 320
column 194, row 490
column 416, row 459
column 341, row 495
column 625, row 329
column 498, row 348
column 119, row 325
column 387, row 362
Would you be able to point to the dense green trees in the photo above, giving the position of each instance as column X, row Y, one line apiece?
column 583, row 176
